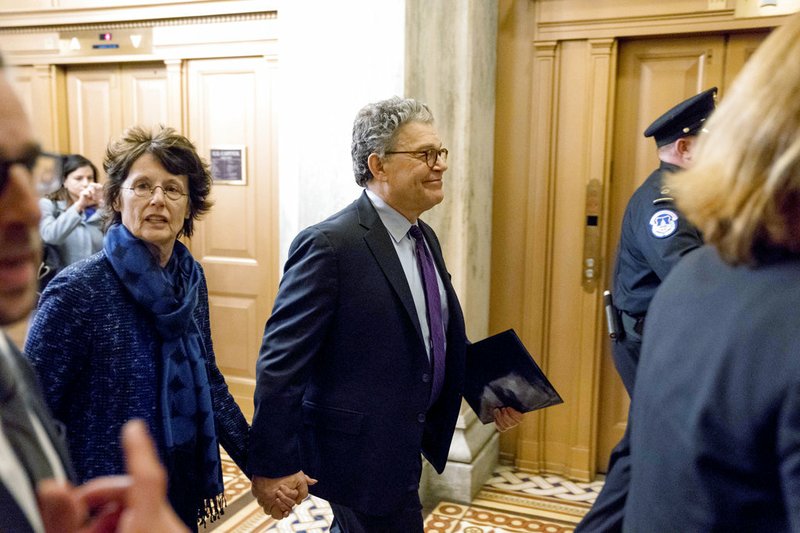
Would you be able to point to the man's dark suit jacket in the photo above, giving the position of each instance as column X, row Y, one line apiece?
column 343, row 378
column 12, row 519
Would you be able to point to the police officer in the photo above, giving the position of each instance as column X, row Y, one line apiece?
column 654, row 237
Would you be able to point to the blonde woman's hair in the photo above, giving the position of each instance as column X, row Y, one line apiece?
column 743, row 191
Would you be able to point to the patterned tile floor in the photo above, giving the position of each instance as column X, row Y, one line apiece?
column 511, row 501
column 516, row 501
column 457, row 518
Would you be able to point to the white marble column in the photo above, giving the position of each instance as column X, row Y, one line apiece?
column 450, row 65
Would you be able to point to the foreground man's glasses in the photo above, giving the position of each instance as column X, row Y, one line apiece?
column 44, row 168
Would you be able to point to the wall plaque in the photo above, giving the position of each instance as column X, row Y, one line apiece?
column 229, row 164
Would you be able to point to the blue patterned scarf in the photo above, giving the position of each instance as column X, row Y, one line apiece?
column 170, row 295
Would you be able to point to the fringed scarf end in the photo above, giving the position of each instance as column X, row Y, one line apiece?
column 212, row 510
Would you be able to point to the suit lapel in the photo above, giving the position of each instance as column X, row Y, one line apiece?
column 380, row 244
column 35, row 401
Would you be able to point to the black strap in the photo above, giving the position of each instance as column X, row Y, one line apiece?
column 638, row 327
column 52, row 261
column 633, row 323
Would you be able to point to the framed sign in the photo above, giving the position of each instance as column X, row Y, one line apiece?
column 229, row 164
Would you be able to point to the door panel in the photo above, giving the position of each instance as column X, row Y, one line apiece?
column 145, row 93
column 230, row 104
column 653, row 75
column 21, row 79
column 104, row 100
column 95, row 109
column 740, row 47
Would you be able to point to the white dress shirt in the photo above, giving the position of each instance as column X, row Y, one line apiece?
column 397, row 225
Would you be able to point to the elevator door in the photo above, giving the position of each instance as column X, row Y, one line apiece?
column 653, row 75
column 104, row 100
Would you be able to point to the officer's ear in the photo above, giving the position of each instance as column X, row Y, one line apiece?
column 685, row 146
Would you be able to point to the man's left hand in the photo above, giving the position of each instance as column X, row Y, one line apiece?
column 506, row 418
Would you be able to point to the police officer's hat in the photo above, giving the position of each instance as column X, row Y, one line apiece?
column 684, row 119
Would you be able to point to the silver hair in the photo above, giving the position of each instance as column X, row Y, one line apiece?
column 375, row 129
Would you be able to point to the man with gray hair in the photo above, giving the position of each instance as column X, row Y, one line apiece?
column 362, row 361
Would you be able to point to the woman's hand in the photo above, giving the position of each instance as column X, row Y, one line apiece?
column 91, row 195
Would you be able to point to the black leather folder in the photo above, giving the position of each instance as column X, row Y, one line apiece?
column 501, row 373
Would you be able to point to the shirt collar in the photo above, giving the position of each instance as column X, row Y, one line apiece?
column 396, row 224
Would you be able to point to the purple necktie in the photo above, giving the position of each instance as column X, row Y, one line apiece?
column 433, row 305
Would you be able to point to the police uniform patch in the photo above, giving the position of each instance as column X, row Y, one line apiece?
column 663, row 223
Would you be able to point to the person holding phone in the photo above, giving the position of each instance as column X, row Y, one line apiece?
column 72, row 219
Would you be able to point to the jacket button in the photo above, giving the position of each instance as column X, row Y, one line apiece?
column 426, row 378
column 421, row 418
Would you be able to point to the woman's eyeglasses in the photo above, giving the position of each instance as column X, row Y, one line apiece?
column 144, row 190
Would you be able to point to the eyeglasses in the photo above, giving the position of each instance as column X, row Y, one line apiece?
column 144, row 190
column 44, row 167
column 431, row 155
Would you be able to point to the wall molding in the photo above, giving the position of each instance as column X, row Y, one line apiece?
column 532, row 446
column 183, row 21
column 100, row 11
column 639, row 26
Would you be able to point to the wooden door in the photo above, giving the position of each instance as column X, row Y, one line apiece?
column 95, row 109
column 230, row 105
column 104, row 100
column 144, row 94
column 653, row 75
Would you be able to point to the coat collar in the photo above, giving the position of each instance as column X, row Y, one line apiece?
column 380, row 244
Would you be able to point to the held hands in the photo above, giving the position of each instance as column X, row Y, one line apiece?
column 506, row 418
column 136, row 503
column 277, row 496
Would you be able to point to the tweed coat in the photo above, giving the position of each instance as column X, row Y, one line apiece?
column 96, row 352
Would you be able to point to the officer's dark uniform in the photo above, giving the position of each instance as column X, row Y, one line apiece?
column 654, row 237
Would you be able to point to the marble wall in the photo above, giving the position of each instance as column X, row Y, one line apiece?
column 450, row 65
column 335, row 57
